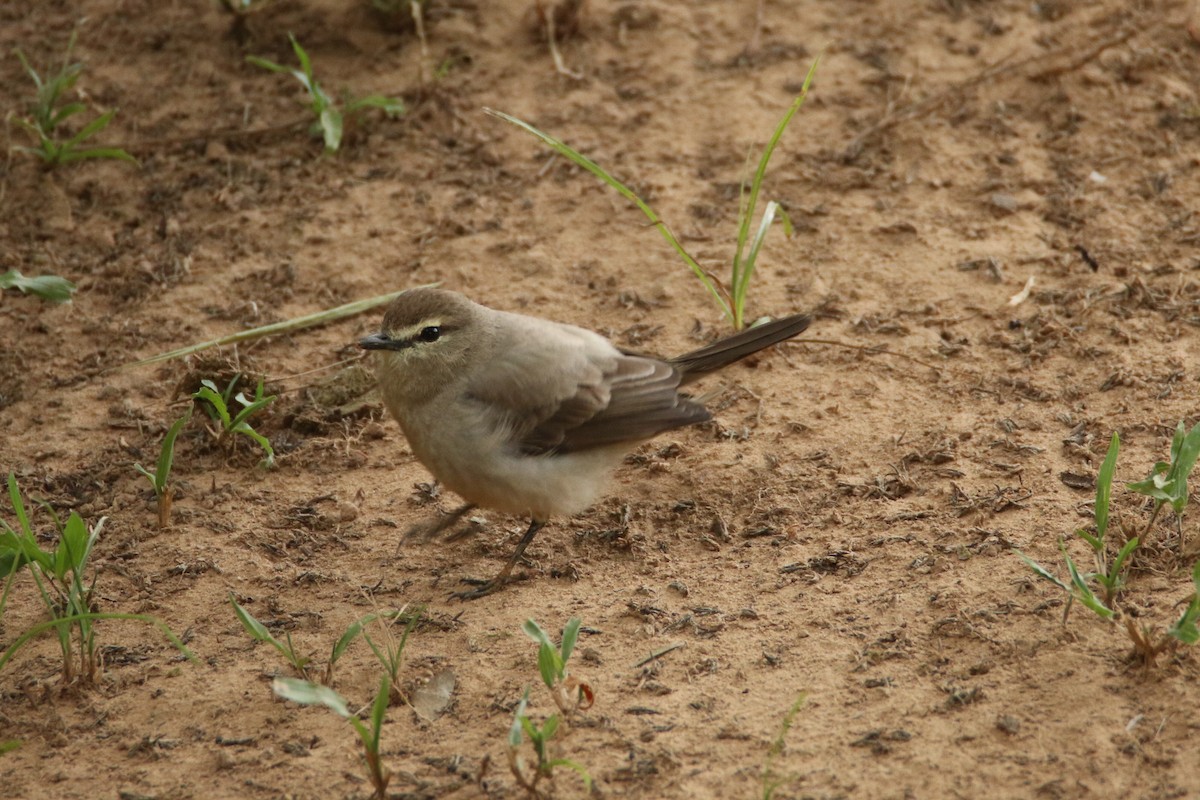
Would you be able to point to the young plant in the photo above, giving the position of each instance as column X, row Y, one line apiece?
column 329, row 120
column 569, row 693
column 259, row 632
column 1167, row 482
column 389, row 652
column 772, row 782
column 731, row 298
column 217, row 405
column 62, row 585
column 47, row 112
column 308, row 693
column 162, row 472
column 50, row 288
column 1149, row 645
column 1110, row 577
column 540, row 738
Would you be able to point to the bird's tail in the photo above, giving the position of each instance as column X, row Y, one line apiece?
column 725, row 351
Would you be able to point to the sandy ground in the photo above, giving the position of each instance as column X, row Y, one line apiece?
column 844, row 528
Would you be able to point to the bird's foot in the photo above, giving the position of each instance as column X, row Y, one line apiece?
column 427, row 530
column 484, row 588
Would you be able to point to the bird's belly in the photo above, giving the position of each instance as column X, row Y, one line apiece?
column 484, row 470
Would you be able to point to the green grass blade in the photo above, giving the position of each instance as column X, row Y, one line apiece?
column 287, row 326
column 91, row 129
column 1042, row 572
column 592, row 167
column 570, row 635
column 569, row 764
column 379, row 709
column 253, row 627
column 1083, row 593
column 1104, row 481
column 514, row 730
column 166, row 457
column 62, row 623
column 756, row 184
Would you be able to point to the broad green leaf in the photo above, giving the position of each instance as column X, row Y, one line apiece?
column 311, row 694
column 51, row 288
column 570, row 635
column 549, row 665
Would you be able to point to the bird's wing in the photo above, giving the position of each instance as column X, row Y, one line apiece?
column 593, row 395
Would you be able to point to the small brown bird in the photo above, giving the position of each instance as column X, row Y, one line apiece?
column 528, row 416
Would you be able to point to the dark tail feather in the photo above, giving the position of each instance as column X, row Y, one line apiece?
column 733, row 348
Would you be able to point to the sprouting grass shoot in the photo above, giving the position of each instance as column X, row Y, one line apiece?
column 329, row 117
column 731, row 298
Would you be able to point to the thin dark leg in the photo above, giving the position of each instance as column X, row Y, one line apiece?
column 429, row 530
column 487, row 587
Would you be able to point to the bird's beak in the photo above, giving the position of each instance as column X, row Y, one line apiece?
column 379, row 341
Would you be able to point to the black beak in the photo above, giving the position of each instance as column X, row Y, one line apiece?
column 379, row 341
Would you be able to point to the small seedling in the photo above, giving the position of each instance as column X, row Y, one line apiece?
column 329, row 117
column 389, row 652
column 308, row 693
column 540, row 738
column 47, row 113
column 217, row 405
column 259, row 632
column 772, row 782
column 162, row 472
column 731, row 298
column 569, row 693
column 1167, row 482
column 50, row 288
column 60, row 578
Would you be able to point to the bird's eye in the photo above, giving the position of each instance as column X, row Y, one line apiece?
column 430, row 334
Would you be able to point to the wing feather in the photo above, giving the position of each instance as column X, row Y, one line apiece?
column 593, row 397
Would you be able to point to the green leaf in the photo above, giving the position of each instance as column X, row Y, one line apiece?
column 392, row 106
column 166, row 456
column 110, row 153
column 331, row 128
column 550, row 726
column 1042, row 572
column 569, row 764
column 350, row 634
column 1119, row 563
column 253, row 627
column 549, row 665
column 570, row 635
column 1083, row 593
column 208, row 393
column 741, row 271
column 268, row 65
column 91, row 129
column 535, row 632
column 51, row 288
column 623, row 190
column 308, row 693
column 1104, row 481
column 9, row 745
column 378, row 710
column 514, row 731
column 1185, row 629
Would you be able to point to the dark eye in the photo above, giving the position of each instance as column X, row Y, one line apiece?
column 430, row 334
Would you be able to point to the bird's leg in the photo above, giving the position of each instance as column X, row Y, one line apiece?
column 487, row 587
column 428, row 530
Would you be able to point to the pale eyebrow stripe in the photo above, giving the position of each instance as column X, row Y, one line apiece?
column 412, row 330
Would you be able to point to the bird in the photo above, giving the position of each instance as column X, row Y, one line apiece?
column 528, row 416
